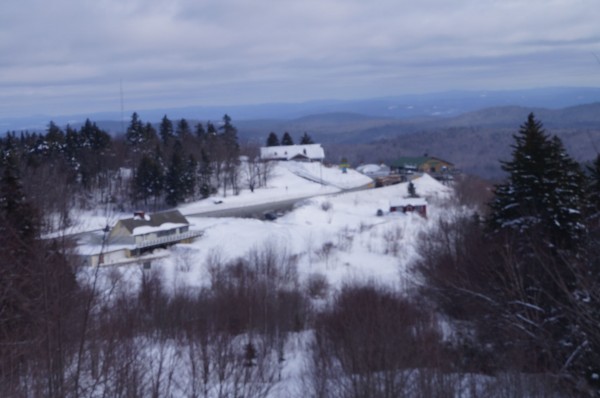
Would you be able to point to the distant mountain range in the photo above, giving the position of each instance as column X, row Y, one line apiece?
column 437, row 105
column 471, row 129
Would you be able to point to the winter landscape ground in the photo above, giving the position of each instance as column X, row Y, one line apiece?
column 335, row 236
column 334, row 233
column 296, row 278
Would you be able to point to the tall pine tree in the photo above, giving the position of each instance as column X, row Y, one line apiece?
column 287, row 139
column 306, row 139
column 148, row 179
column 544, row 194
column 175, row 185
column 272, row 139
column 166, row 129
column 593, row 190
column 205, row 174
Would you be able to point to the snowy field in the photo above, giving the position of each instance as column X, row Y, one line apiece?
column 333, row 234
column 339, row 236
column 288, row 180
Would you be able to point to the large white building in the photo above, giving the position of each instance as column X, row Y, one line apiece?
column 308, row 153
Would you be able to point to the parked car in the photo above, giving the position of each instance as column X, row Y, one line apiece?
column 270, row 216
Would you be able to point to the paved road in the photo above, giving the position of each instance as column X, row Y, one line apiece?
column 258, row 211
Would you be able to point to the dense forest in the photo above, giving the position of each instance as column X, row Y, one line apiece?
column 146, row 167
column 508, row 304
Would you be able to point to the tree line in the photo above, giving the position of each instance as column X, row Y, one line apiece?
column 154, row 166
column 286, row 139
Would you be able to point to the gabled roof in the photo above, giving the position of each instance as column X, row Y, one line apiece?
column 154, row 220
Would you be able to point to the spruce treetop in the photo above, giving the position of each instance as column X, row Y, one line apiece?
column 544, row 190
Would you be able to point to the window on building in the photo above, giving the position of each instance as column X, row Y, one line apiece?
column 165, row 233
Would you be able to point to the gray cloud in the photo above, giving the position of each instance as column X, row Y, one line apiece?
column 68, row 56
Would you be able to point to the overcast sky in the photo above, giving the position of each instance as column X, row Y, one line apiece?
column 69, row 56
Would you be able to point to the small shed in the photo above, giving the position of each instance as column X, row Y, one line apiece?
column 409, row 205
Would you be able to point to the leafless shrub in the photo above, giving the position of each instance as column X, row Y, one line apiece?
column 317, row 286
column 363, row 227
column 473, row 191
column 214, row 262
column 370, row 343
column 345, row 238
column 325, row 252
column 183, row 260
column 273, row 263
column 392, row 238
column 326, row 206
column 265, row 171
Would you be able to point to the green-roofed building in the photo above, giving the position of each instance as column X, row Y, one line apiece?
column 424, row 164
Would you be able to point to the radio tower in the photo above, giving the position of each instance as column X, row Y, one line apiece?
column 122, row 107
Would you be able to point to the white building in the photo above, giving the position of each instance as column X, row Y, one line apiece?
column 307, row 153
column 133, row 236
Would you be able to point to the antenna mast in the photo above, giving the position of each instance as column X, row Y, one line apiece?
column 122, row 107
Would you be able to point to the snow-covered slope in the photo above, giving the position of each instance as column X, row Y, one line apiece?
column 289, row 180
column 339, row 236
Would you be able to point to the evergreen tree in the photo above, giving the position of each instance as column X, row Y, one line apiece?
column 55, row 138
column 593, row 189
column 544, row 193
column 148, row 179
column 205, row 171
column 166, row 129
column 210, row 129
column 306, row 139
column 200, row 132
column 272, row 140
column 72, row 147
column 540, row 210
column 183, row 129
column 189, row 176
column 149, row 134
column 175, row 186
column 287, row 139
column 231, row 154
column 134, row 135
column 93, row 137
column 91, row 153
column 412, row 191
column 16, row 213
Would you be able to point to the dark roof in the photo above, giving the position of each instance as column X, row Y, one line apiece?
column 404, row 161
column 155, row 220
column 299, row 156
